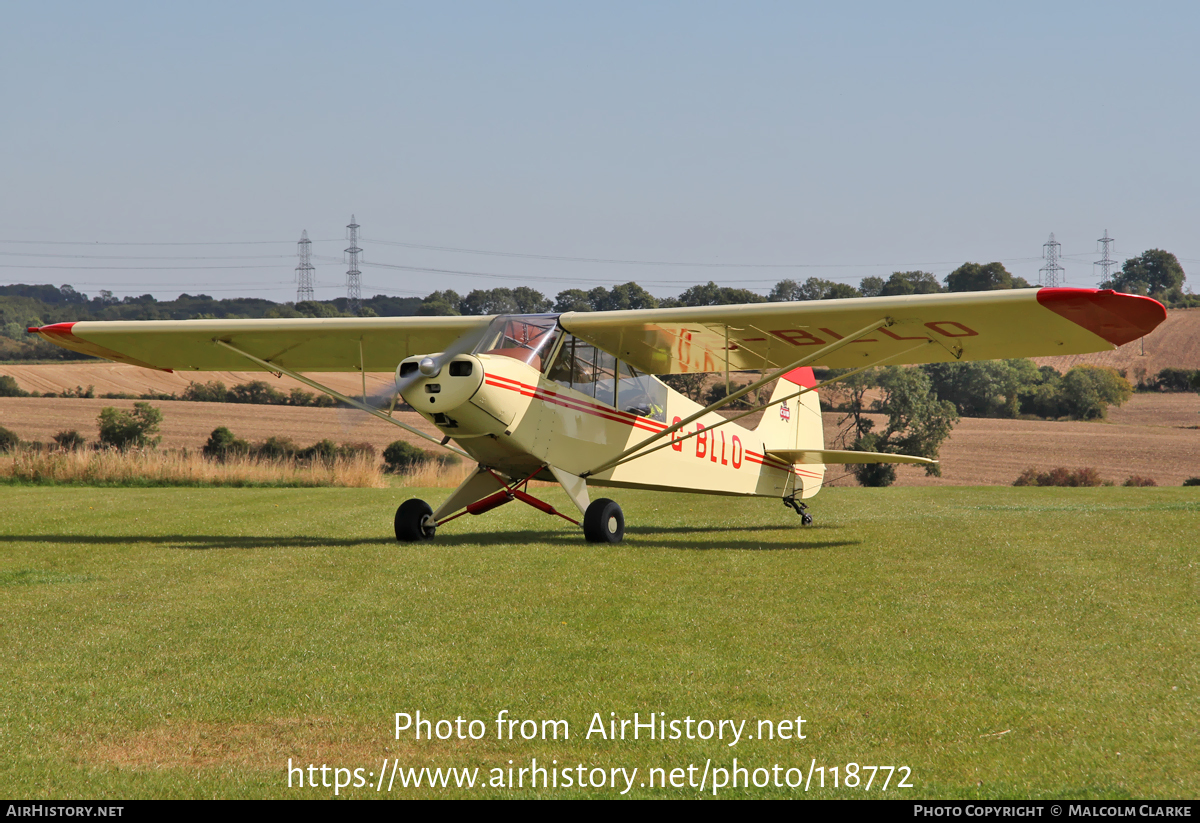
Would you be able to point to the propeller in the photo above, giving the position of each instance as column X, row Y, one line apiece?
column 432, row 365
column 429, row 366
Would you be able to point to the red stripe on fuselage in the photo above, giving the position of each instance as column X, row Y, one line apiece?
column 575, row 405
column 646, row 424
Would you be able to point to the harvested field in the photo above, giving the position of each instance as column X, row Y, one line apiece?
column 1147, row 436
column 1174, row 344
column 1171, row 410
column 118, row 378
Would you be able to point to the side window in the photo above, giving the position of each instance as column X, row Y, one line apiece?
column 562, row 370
column 575, row 367
column 599, row 375
column 642, row 394
column 606, row 378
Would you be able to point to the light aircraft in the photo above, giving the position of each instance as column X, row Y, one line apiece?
column 573, row 398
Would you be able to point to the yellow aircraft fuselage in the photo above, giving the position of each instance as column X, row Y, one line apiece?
column 511, row 418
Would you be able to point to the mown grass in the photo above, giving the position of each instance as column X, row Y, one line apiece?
column 1001, row 642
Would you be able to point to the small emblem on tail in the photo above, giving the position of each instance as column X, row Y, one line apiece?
column 784, row 412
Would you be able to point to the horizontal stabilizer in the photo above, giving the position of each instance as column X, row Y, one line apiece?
column 815, row 456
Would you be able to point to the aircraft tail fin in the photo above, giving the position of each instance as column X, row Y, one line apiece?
column 795, row 424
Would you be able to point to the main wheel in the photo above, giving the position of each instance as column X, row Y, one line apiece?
column 603, row 522
column 414, row 521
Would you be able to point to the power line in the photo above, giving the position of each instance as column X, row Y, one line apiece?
column 199, row 243
column 616, row 261
column 132, row 268
column 141, row 257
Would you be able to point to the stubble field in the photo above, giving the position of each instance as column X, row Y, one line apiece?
column 1153, row 435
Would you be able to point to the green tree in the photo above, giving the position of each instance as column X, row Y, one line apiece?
column 1175, row 380
column 213, row 391
column 8, row 440
column 976, row 277
column 787, row 291
column 690, row 385
column 9, row 387
column 1156, row 273
column 324, row 451
column 222, row 443
column 572, row 300
column 814, row 288
column 530, row 301
column 314, row 308
column 130, row 429
column 1088, row 391
column 985, row 388
column 276, row 448
column 399, row 457
column 256, row 391
column 841, row 291
column 441, row 304
column 1083, row 393
column 918, row 422
column 911, row 282
column 489, row 301
column 871, row 286
column 621, row 298
column 70, row 440
column 710, row 294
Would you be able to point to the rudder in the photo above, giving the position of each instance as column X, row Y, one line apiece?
column 795, row 424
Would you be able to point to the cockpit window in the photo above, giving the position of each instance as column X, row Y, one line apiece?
column 599, row 375
column 529, row 339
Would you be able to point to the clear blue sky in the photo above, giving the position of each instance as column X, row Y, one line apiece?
column 845, row 140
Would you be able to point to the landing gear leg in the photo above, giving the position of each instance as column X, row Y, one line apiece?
column 799, row 507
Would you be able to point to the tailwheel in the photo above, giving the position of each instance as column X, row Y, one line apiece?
column 799, row 507
column 414, row 521
column 603, row 522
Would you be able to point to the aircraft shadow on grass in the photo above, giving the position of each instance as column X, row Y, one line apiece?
column 690, row 538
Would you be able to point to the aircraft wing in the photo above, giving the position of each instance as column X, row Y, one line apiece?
column 988, row 325
column 301, row 344
column 923, row 328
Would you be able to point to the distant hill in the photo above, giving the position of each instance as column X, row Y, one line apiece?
column 1174, row 344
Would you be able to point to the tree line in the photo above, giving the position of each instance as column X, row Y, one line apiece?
column 1155, row 273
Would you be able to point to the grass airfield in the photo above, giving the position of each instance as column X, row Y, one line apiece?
column 998, row 642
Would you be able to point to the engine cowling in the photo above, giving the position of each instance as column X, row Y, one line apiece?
column 431, row 390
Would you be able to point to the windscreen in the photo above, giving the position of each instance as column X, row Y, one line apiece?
column 529, row 339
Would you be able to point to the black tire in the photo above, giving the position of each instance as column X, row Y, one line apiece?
column 414, row 521
column 603, row 522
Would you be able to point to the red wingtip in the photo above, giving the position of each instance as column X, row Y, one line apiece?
column 1118, row 318
column 59, row 329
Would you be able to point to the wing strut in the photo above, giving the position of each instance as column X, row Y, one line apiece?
column 767, row 406
column 729, row 398
column 275, row 367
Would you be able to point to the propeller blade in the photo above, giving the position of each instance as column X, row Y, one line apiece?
column 430, row 366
